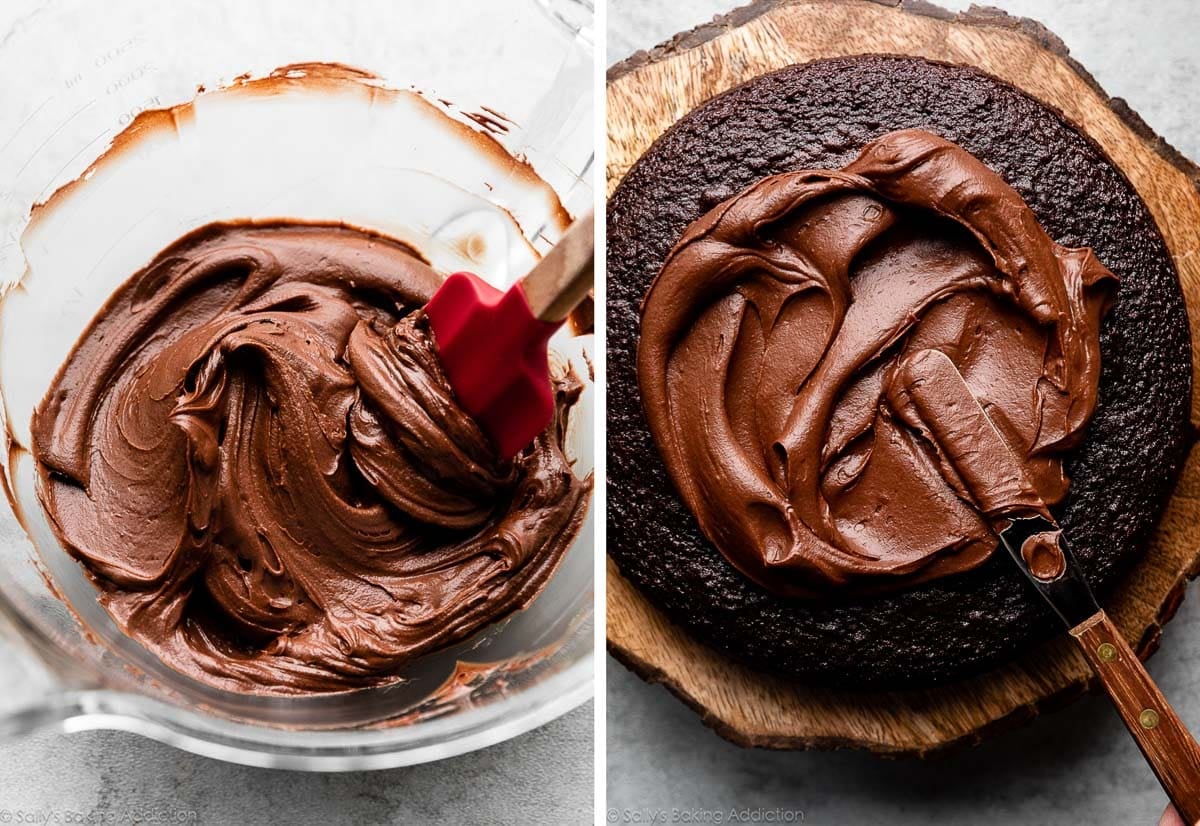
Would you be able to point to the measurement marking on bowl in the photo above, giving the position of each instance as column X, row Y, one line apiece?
column 25, row 122
column 129, row 78
column 50, row 187
column 52, row 135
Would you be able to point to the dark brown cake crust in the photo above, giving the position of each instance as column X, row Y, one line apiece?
column 818, row 116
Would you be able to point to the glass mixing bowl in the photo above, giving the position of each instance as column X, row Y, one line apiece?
column 517, row 73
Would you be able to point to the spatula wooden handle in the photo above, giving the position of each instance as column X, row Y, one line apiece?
column 564, row 276
column 1165, row 742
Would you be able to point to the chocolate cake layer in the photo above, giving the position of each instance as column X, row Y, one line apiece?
column 820, row 116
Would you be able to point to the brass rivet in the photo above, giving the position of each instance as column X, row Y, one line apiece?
column 1107, row 652
column 1148, row 718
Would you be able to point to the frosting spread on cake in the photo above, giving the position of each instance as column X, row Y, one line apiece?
column 772, row 338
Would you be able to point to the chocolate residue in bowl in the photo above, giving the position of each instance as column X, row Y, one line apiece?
column 255, row 454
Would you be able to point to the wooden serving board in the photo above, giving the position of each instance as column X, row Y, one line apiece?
column 648, row 93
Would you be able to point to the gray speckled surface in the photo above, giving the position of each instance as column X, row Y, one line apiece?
column 541, row 777
column 1074, row 766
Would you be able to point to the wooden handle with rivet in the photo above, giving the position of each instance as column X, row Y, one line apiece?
column 1165, row 742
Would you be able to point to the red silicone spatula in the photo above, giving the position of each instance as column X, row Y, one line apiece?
column 493, row 344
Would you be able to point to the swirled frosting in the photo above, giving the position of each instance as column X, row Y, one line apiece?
column 771, row 353
column 255, row 453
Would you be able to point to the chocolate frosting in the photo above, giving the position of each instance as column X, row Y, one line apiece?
column 255, row 453
column 772, row 338
column 929, row 394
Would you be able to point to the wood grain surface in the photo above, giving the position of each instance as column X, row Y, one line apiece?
column 1168, row 746
column 564, row 276
column 648, row 93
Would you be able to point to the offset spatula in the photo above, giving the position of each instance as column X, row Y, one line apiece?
column 957, row 423
column 492, row 344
